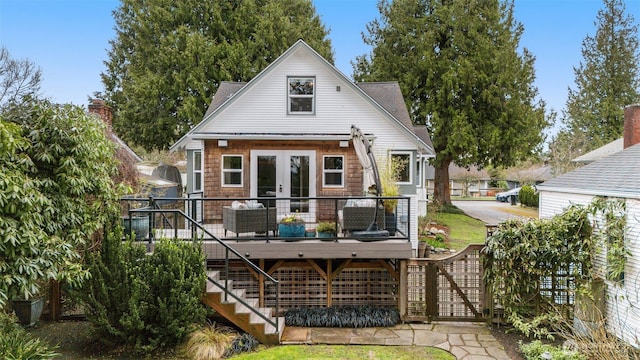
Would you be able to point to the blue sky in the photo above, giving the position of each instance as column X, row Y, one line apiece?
column 69, row 39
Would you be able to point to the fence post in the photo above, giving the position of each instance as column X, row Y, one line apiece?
column 403, row 291
column 432, row 291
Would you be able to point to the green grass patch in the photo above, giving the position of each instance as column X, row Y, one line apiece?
column 463, row 230
column 296, row 352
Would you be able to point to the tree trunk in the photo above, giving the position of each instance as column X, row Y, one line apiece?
column 442, row 190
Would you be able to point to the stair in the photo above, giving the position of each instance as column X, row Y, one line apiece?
column 240, row 314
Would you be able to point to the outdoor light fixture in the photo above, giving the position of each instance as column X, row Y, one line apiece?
column 344, row 143
column 222, row 143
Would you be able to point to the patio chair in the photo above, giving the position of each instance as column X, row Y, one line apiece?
column 357, row 215
column 243, row 220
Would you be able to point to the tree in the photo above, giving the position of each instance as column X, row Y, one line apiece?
column 563, row 148
column 607, row 80
column 461, row 73
column 168, row 58
column 56, row 191
column 18, row 79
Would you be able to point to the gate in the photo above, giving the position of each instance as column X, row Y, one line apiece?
column 449, row 289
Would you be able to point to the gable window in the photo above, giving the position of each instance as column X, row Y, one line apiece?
column 333, row 171
column 402, row 165
column 231, row 170
column 197, row 171
column 301, row 95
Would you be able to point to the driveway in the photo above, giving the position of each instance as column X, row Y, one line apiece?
column 493, row 212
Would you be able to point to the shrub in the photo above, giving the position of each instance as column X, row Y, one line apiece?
column 147, row 301
column 528, row 196
column 535, row 349
column 56, row 164
column 344, row 316
column 16, row 343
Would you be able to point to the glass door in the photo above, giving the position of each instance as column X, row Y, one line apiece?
column 282, row 175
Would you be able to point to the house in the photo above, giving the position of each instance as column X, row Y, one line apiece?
column 462, row 181
column 302, row 140
column 601, row 152
column 615, row 176
column 287, row 133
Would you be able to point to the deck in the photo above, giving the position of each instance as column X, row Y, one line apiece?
column 261, row 246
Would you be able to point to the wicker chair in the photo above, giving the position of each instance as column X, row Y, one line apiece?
column 357, row 218
column 249, row 220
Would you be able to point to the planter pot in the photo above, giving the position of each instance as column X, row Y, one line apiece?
column 291, row 230
column 28, row 311
column 310, row 233
column 139, row 225
column 390, row 221
column 424, row 249
column 326, row 236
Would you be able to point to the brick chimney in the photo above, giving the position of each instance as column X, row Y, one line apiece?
column 631, row 125
column 98, row 107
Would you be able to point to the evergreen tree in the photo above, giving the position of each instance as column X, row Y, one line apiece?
column 169, row 57
column 461, row 72
column 608, row 78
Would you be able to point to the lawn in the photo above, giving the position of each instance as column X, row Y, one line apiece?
column 294, row 352
column 463, row 230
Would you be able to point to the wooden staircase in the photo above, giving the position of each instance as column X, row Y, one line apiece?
column 240, row 314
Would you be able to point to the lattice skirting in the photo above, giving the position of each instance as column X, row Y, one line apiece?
column 320, row 283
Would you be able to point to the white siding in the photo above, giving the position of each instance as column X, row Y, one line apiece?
column 262, row 108
column 552, row 203
column 623, row 302
column 623, row 311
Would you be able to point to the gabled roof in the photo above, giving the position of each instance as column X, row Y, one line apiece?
column 387, row 103
column 389, row 96
column 601, row 152
column 225, row 91
column 616, row 175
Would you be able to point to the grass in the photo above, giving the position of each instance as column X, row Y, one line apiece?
column 463, row 230
column 294, row 352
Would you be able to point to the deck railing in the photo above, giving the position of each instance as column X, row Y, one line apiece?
column 222, row 216
column 152, row 210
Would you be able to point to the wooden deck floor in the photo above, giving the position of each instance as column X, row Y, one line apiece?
column 260, row 246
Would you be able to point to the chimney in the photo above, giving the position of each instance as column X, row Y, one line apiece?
column 631, row 125
column 101, row 109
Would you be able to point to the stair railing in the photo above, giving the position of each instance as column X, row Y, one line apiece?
column 228, row 250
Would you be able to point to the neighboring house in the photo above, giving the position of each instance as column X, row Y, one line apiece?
column 299, row 110
column 615, row 176
column 532, row 175
column 601, row 152
column 101, row 109
column 462, row 181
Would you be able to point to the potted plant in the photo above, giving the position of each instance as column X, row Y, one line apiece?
column 137, row 223
column 388, row 180
column 291, row 226
column 327, row 230
column 29, row 308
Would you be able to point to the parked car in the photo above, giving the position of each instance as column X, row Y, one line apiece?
column 506, row 196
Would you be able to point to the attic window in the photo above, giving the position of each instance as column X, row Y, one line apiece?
column 301, row 95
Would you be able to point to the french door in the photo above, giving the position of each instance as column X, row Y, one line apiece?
column 284, row 174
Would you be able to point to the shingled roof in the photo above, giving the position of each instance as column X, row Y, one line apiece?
column 616, row 175
column 386, row 94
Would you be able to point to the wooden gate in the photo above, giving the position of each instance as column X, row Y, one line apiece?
column 443, row 289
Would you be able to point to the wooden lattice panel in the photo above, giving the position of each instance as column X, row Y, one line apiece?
column 300, row 286
column 450, row 288
column 365, row 286
column 464, row 276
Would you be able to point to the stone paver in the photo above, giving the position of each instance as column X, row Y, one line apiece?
column 465, row 341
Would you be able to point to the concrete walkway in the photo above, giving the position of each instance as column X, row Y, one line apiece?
column 466, row 341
